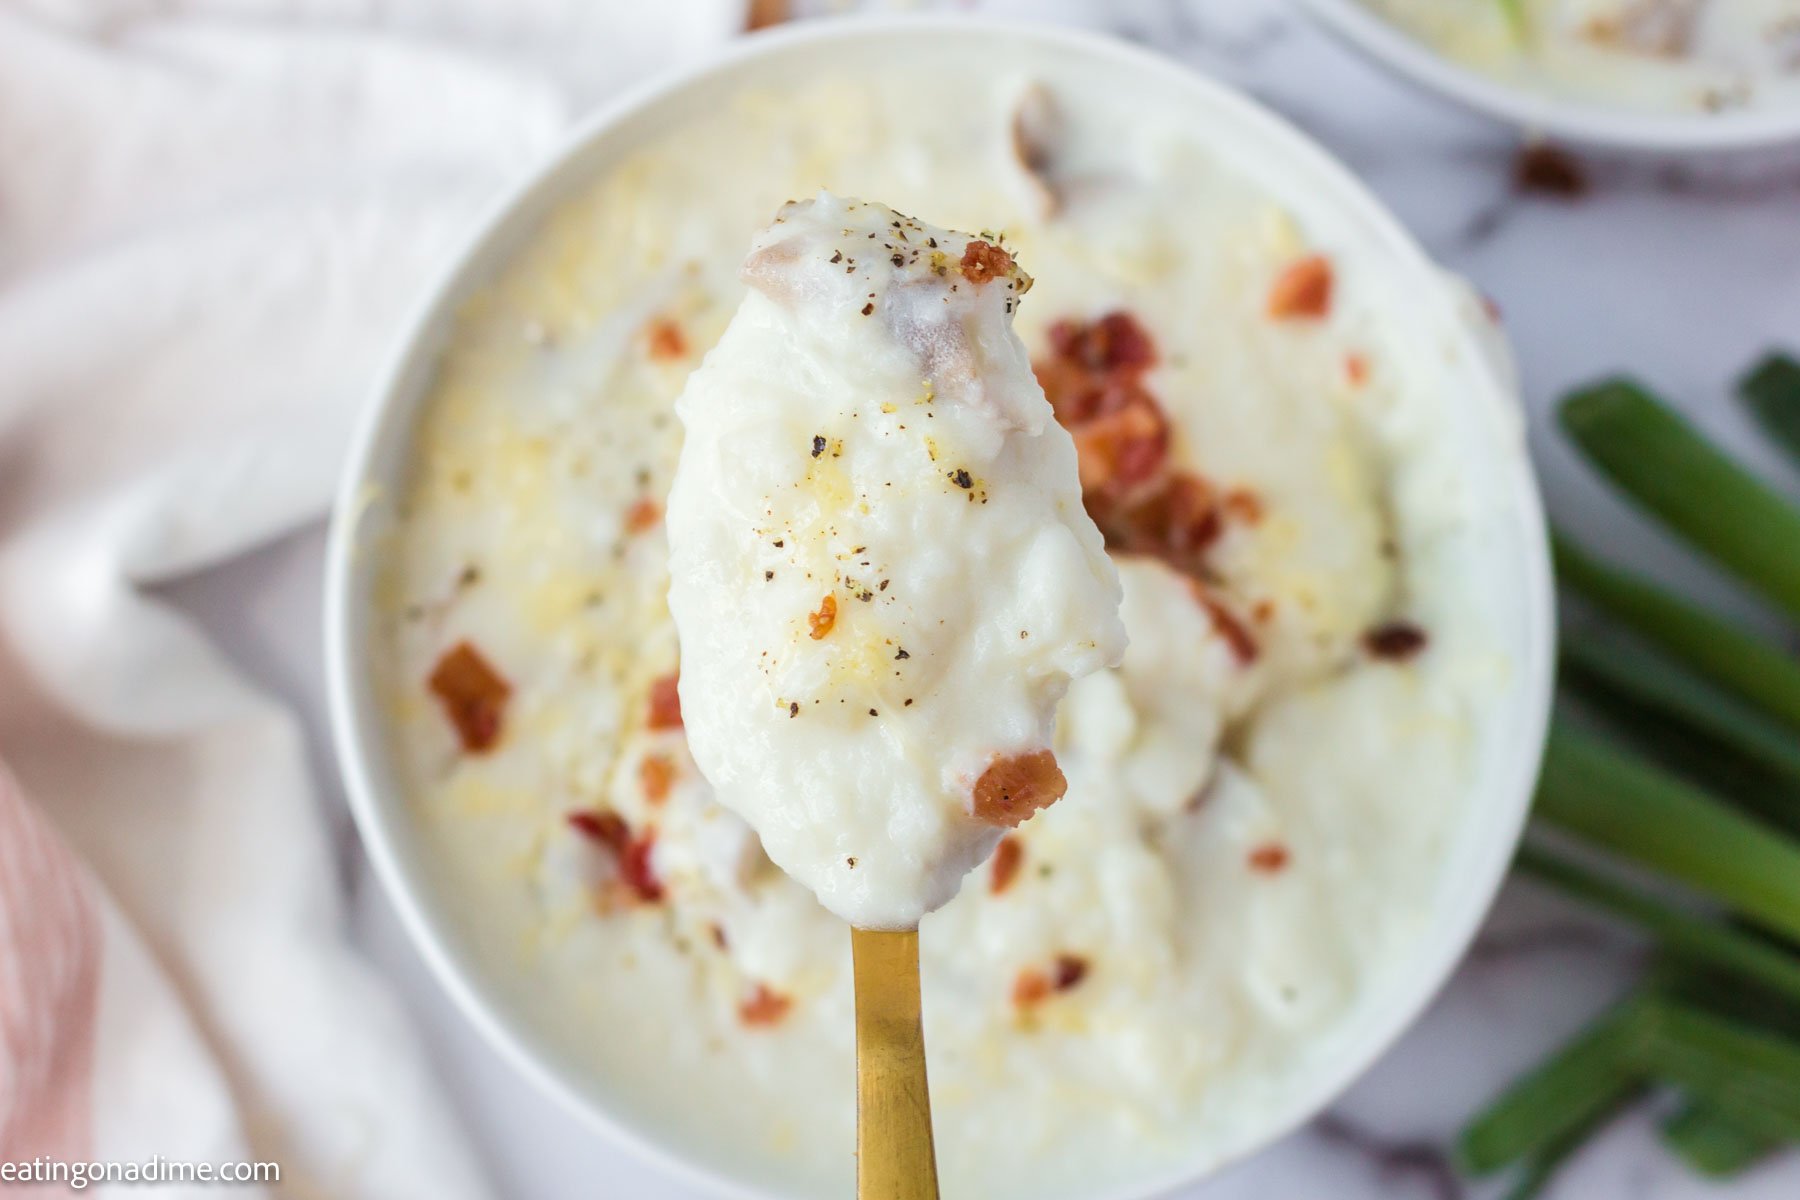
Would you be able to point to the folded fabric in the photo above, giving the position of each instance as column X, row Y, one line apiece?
column 213, row 216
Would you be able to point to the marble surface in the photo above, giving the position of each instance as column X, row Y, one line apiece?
column 1680, row 273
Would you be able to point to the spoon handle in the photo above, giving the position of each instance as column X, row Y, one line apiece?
column 894, row 1156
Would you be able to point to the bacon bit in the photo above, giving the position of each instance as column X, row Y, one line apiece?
column 1037, row 124
column 656, row 773
column 1094, row 382
column 1071, row 969
column 636, row 871
column 1548, row 170
column 1270, row 858
column 1176, row 524
column 764, row 1007
column 666, row 341
column 1115, row 342
column 1121, row 450
column 665, row 703
column 1008, row 856
column 474, row 696
column 1031, row 988
column 606, row 827
column 1245, row 505
column 1011, row 789
column 643, row 514
column 1227, row 624
column 1356, row 369
column 819, row 623
column 982, row 261
column 1396, row 641
column 1303, row 289
column 764, row 13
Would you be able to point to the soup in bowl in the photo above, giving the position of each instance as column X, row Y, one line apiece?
column 1287, row 807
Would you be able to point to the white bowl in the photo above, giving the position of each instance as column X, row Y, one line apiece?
column 1486, row 419
column 1540, row 113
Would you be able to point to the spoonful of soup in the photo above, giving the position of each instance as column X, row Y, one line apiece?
column 884, row 581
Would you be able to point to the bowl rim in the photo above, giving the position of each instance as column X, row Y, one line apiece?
column 356, row 736
column 1581, row 122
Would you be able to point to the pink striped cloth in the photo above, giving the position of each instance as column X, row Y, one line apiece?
column 49, row 988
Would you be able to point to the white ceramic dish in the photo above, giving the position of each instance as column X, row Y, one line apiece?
column 1486, row 418
column 1539, row 113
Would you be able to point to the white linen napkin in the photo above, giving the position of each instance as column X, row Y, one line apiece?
column 213, row 214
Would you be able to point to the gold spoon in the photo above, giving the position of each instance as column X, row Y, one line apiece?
column 894, row 1155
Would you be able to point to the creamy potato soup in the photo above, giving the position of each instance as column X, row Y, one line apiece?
column 881, row 570
column 1653, row 55
column 1259, row 795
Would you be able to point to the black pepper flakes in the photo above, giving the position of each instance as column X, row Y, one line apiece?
column 873, row 713
column 818, row 449
column 961, row 478
column 768, row 575
column 793, row 709
column 901, row 654
column 867, row 309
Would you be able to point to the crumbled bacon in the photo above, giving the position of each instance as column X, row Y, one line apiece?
column 665, row 339
column 1227, row 624
column 1122, row 450
column 632, row 853
column 764, row 13
column 604, row 826
column 1008, row 855
column 1070, row 970
column 1094, row 380
column 473, row 694
column 1177, row 523
column 1033, row 986
column 643, row 514
column 1037, row 126
column 1303, row 289
column 1245, row 505
column 1114, row 342
column 656, row 773
column 665, row 703
column 1395, row 641
column 1356, row 369
column 636, row 869
column 1270, row 858
column 1549, row 170
column 818, row 624
column 1030, row 988
column 982, row 261
column 763, row 1007
column 1013, row 788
